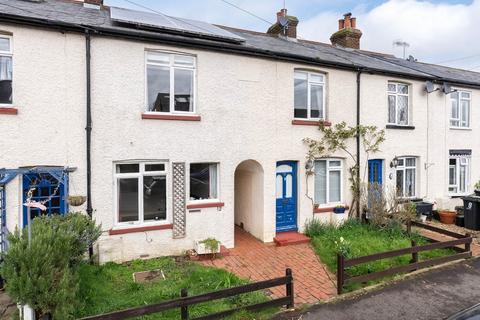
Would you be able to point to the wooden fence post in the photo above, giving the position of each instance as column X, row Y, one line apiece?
column 467, row 244
column 414, row 254
column 184, row 310
column 289, row 288
column 409, row 226
column 340, row 272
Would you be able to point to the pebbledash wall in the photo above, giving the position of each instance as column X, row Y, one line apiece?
column 246, row 110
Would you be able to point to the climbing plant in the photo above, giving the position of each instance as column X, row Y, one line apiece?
column 338, row 138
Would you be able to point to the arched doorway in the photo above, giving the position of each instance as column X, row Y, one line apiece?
column 249, row 197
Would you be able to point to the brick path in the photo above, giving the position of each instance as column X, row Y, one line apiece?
column 258, row 261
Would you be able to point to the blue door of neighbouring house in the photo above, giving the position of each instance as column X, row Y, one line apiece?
column 286, row 196
column 375, row 171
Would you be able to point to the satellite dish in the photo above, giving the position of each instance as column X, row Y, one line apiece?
column 447, row 88
column 429, row 87
column 283, row 21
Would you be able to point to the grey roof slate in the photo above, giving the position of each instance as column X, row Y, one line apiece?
column 74, row 13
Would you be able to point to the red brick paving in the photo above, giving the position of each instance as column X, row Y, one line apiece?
column 255, row 260
column 475, row 247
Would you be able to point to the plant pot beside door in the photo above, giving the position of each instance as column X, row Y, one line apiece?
column 339, row 216
column 447, row 216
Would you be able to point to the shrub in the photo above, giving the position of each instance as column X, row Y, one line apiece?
column 44, row 273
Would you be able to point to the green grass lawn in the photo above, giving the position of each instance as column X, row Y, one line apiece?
column 111, row 287
column 364, row 240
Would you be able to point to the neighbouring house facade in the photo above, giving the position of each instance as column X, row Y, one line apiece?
column 199, row 131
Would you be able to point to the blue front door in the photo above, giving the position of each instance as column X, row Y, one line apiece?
column 375, row 171
column 286, row 196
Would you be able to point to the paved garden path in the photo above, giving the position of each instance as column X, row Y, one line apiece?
column 435, row 294
column 7, row 307
column 258, row 261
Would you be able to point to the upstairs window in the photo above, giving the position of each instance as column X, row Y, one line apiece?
column 141, row 192
column 203, row 181
column 406, row 174
column 309, row 97
column 6, row 70
column 459, row 172
column 398, row 103
column 328, row 181
column 170, row 83
column 460, row 109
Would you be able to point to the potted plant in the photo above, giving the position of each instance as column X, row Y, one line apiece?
column 76, row 201
column 476, row 188
column 447, row 216
column 209, row 246
column 339, row 209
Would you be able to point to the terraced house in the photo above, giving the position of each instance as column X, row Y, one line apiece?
column 178, row 130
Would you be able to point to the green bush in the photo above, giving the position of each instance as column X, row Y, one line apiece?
column 44, row 274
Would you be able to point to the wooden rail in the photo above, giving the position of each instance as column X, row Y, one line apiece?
column 460, row 239
column 185, row 301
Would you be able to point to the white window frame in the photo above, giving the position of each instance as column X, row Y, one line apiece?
column 217, row 199
column 8, row 54
column 139, row 175
column 459, row 110
column 397, row 94
column 171, row 65
column 466, row 159
column 329, row 168
column 311, row 82
column 404, row 168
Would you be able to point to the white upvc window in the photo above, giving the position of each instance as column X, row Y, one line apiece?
column 460, row 109
column 141, row 192
column 406, row 177
column 398, row 103
column 170, row 82
column 204, row 181
column 6, row 70
column 309, row 95
column 328, row 181
column 459, row 174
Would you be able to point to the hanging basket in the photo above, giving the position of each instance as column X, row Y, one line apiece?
column 76, row 201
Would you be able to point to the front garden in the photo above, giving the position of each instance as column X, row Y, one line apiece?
column 355, row 239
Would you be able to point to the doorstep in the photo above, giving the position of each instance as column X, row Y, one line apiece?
column 290, row 238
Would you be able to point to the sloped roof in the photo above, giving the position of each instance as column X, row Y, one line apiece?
column 72, row 15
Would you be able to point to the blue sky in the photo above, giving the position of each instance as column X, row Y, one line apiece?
column 437, row 31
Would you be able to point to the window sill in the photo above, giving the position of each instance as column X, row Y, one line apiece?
column 460, row 128
column 396, row 126
column 153, row 116
column 327, row 209
column 457, row 196
column 307, row 122
column 203, row 205
column 10, row 111
column 140, row 229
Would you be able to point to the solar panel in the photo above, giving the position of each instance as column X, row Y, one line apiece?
column 167, row 23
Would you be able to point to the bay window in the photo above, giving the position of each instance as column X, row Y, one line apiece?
column 328, row 181
column 406, row 176
column 309, row 95
column 170, row 82
column 460, row 109
column 203, row 181
column 6, row 70
column 459, row 172
column 398, row 103
column 141, row 192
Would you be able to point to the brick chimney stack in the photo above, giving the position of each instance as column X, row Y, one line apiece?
column 290, row 30
column 347, row 36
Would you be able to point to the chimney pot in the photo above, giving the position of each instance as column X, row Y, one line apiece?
column 341, row 24
column 354, row 23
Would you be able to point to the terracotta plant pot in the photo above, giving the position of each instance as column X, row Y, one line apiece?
column 447, row 217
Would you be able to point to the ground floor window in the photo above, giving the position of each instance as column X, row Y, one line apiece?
column 459, row 172
column 141, row 192
column 406, row 175
column 203, row 181
column 328, row 181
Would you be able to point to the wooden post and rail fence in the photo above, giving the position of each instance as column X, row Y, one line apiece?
column 415, row 264
column 185, row 301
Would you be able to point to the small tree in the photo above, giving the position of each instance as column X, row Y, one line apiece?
column 43, row 273
column 337, row 138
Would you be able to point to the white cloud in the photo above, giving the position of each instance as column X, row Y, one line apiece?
column 435, row 31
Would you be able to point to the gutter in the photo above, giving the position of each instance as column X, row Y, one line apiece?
column 212, row 45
